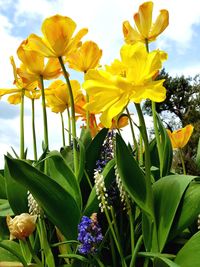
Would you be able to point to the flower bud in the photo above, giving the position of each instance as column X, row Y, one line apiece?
column 21, row 226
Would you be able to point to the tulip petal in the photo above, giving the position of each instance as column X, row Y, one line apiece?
column 160, row 24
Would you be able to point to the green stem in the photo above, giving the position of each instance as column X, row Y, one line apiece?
column 87, row 113
column 140, row 154
column 33, row 130
column 36, row 259
column 137, row 248
column 69, row 127
column 46, row 141
column 45, row 247
column 63, row 128
column 115, row 238
column 132, row 231
column 73, row 121
column 157, row 135
column 182, row 161
column 22, row 155
column 132, row 131
column 150, row 200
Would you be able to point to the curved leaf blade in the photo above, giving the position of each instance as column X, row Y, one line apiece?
column 59, row 206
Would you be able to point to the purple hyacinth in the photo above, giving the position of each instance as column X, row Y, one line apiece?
column 89, row 234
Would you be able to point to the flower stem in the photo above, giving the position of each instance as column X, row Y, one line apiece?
column 157, row 137
column 115, row 238
column 132, row 131
column 69, row 126
column 182, row 161
column 143, row 131
column 36, row 259
column 33, row 129
column 22, row 155
column 63, row 128
column 137, row 248
column 73, row 121
column 46, row 141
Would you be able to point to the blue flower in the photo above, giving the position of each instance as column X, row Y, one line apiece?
column 89, row 234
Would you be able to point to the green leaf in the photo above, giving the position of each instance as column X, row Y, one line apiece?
column 11, row 251
column 93, row 203
column 189, row 255
column 93, row 151
column 74, row 256
column 167, row 152
column 168, row 192
column 2, row 187
column 188, row 210
column 58, row 170
column 86, row 137
column 16, row 193
column 164, row 262
column 57, row 203
column 81, row 161
column 132, row 176
column 198, row 155
column 5, row 208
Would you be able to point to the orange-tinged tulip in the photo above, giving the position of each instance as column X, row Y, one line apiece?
column 21, row 226
column 25, row 86
column 58, row 39
column 180, row 137
column 145, row 30
column 86, row 57
column 57, row 96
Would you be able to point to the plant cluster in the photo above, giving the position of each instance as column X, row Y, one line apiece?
column 98, row 201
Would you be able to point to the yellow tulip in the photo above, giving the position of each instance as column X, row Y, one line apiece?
column 85, row 58
column 22, row 85
column 21, row 226
column 180, row 137
column 58, row 39
column 145, row 30
column 34, row 64
column 128, row 80
column 57, row 96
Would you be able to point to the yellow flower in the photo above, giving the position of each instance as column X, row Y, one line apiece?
column 111, row 92
column 58, row 37
column 57, row 96
column 86, row 57
column 180, row 137
column 21, row 226
column 34, row 65
column 21, row 86
column 145, row 29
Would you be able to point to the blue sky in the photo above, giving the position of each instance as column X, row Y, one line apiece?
column 19, row 18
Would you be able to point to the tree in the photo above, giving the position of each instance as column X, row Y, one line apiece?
column 181, row 107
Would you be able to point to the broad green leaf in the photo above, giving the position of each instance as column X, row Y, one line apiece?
column 167, row 152
column 5, row 208
column 81, row 161
column 188, row 210
column 86, row 137
column 132, row 176
column 11, row 251
column 93, row 203
column 67, row 153
column 58, row 170
column 16, row 193
column 3, row 194
column 198, row 155
column 164, row 262
column 168, row 192
column 189, row 255
column 59, row 206
column 93, row 151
